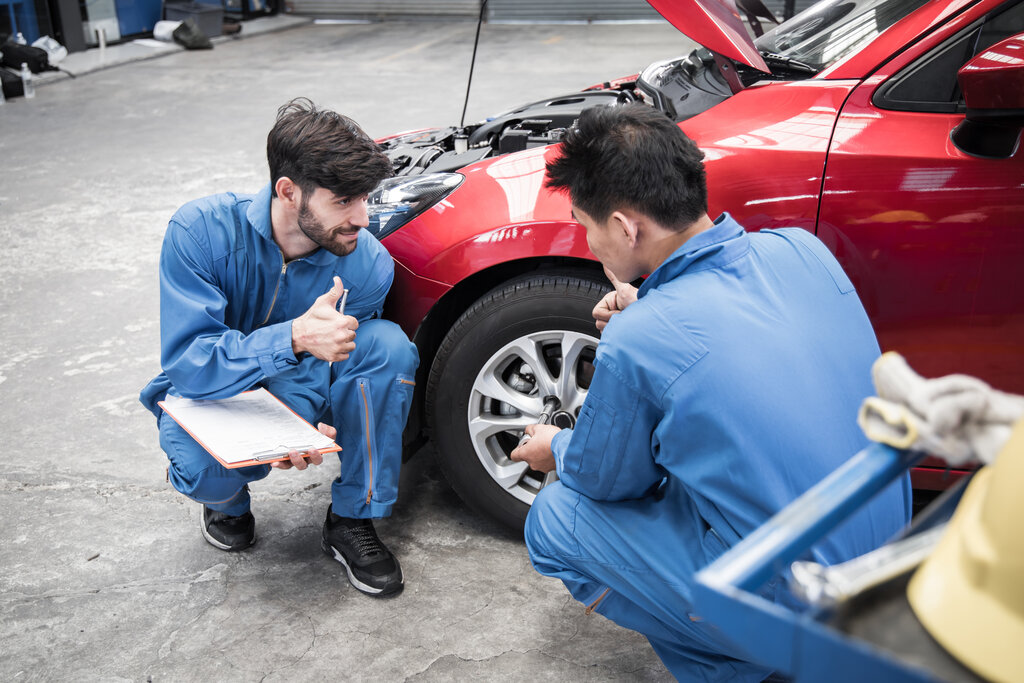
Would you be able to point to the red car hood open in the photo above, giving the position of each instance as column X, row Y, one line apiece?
column 715, row 24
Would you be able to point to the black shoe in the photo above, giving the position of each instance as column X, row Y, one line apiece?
column 371, row 567
column 226, row 532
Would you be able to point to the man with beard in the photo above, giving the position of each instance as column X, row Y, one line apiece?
column 249, row 293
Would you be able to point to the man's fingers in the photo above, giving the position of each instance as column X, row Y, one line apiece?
column 603, row 309
column 625, row 293
column 327, row 430
column 616, row 283
column 332, row 295
column 518, row 452
column 314, row 457
column 342, row 353
column 297, row 460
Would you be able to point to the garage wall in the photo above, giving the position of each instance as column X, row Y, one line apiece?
column 385, row 9
column 497, row 10
column 569, row 10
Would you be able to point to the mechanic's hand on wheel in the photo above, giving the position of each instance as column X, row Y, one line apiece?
column 311, row 457
column 537, row 451
column 613, row 302
column 323, row 331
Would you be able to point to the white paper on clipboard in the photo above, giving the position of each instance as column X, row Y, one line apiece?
column 254, row 426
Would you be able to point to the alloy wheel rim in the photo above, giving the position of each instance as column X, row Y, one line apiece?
column 508, row 394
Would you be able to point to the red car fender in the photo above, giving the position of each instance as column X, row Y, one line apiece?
column 501, row 212
column 507, row 244
column 784, row 129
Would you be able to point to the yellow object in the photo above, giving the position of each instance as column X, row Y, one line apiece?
column 969, row 593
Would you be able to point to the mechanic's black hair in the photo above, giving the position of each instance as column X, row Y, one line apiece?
column 321, row 148
column 631, row 156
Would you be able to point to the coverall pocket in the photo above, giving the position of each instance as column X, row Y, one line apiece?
column 713, row 545
column 396, row 410
column 607, row 431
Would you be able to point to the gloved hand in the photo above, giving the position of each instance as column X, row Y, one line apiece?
column 957, row 417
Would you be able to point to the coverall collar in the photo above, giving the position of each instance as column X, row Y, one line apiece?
column 723, row 242
column 258, row 214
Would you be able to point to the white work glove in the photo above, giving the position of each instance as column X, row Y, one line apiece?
column 957, row 418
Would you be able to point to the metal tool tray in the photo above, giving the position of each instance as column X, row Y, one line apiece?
column 875, row 637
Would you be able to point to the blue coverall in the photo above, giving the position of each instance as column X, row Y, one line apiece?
column 227, row 301
column 728, row 388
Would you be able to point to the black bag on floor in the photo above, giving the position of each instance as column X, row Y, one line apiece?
column 16, row 54
column 190, row 36
column 12, row 85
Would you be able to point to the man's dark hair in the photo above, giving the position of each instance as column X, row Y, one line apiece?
column 631, row 156
column 321, row 148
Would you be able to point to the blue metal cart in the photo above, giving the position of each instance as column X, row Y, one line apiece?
column 819, row 645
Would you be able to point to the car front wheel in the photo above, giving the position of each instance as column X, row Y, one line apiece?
column 519, row 345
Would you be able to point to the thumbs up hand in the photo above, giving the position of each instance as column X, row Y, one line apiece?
column 323, row 331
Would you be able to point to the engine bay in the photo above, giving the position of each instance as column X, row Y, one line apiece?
column 534, row 125
column 682, row 87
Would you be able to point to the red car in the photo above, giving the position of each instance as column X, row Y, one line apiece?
column 889, row 128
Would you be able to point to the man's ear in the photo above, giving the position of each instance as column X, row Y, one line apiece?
column 627, row 224
column 288, row 192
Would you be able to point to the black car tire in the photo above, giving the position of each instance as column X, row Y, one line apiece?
column 549, row 313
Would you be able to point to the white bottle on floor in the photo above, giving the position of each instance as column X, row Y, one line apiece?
column 26, row 81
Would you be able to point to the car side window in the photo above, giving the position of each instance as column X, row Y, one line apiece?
column 930, row 84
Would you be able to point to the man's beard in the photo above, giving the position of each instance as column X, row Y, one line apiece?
column 311, row 226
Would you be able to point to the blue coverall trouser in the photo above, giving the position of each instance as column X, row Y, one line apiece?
column 366, row 398
column 628, row 561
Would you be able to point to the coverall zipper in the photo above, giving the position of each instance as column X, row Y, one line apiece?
column 284, row 267
column 592, row 606
column 369, row 448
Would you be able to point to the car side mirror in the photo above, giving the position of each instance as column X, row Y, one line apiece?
column 992, row 83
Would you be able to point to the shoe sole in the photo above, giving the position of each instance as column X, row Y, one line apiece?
column 217, row 544
column 356, row 583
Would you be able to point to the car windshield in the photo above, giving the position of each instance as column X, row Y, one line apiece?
column 828, row 31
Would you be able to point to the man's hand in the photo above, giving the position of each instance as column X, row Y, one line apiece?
column 614, row 301
column 312, row 457
column 323, row 331
column 537, row 451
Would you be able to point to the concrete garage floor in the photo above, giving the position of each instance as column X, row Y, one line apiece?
column 104, row 573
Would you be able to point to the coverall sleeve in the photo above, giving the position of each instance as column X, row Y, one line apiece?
column 201, row 356
column 608, row 455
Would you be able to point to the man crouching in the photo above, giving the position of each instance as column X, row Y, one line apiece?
column 724, row 387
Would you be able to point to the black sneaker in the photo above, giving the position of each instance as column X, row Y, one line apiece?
column 226, row 532
column 371, row 567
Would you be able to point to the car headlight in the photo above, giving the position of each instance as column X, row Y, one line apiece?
column 396, row 201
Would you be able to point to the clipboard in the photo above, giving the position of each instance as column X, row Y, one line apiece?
column 252, row 428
